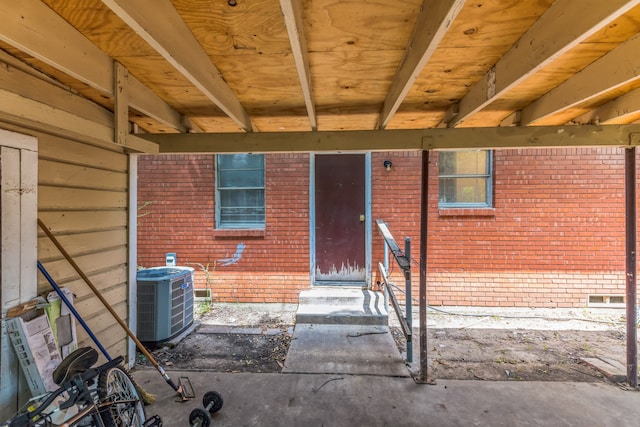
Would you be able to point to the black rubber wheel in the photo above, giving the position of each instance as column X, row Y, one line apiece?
column 214, row 399
column 199, row 415
column 116, row 384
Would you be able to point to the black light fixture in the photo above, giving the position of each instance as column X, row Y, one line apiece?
column 387, row 164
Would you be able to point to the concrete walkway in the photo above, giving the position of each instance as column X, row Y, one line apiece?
column 344, row 349
column 368, row 400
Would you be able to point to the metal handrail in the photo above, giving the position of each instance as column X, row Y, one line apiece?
column 403, row 259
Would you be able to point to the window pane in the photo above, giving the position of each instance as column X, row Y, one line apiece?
column 465, row 177
column 463, row 163
column 241, row 161
column 240, row 189
column 463, row 190
column 241, row 178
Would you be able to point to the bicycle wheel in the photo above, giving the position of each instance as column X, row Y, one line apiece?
column 116, row 385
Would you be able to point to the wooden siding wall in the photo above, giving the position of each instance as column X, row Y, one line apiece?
column 83, row 195
column 82, row 198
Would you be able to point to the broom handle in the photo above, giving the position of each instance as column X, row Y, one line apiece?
column 107, row 306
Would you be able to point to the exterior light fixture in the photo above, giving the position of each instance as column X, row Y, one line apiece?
column 387, row 164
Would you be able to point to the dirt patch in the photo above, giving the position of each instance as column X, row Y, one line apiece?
column 231, row 338
column 512, row 355
column 256, row 338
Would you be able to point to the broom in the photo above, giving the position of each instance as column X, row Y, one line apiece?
column 146, row 397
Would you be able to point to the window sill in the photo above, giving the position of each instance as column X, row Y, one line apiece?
column 476, row 212
column 238, row 233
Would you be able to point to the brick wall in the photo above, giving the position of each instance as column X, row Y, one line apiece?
column 554, row 236
column 180, row 217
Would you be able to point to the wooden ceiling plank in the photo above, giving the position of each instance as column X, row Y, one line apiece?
column 151, row 20
column 292, row 12
column 562, row 27
column 32, row 27
column 399, row 140
column 614, row 112
column 430, row 28
column 617, row 68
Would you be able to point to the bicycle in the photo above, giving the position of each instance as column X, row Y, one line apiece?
column 104, row 396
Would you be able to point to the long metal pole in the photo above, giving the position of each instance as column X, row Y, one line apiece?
column 630, row 214
column 408, row 303
column 424, row 216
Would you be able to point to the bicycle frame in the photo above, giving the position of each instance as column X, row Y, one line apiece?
column 81, row 394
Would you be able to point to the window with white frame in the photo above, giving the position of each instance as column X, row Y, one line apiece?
column 240, row 191
column 465, row 179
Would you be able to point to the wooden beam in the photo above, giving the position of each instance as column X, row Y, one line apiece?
column 31, row 103
column 292, row 12
column 430, row 28
column 136, row 144
column 617, row 111
column 617, row 68
column 512, row 119
column 32, row 27
column 32, row 86
column 121, row 104
column 47, row 115
column 563, row 26
column 400, row 140
column 160, row 25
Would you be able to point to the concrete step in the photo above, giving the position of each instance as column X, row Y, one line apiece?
column 341, row 306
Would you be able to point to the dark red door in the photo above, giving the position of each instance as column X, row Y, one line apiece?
column 339, row 218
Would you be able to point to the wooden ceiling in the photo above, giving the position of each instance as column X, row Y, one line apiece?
column 330, row 65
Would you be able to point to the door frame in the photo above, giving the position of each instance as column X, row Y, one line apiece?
column 312, row 218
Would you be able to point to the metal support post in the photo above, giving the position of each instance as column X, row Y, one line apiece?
column 424, row 216
column 631, row 287
column 408, row 303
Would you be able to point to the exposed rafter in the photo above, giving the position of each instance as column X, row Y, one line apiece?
column 28, row 101
column 617, row 111
column 430, row 28
column 563, row 26
column 292, row 12
column 398, row 140
column 617, row 68
column 160, row 25
column 31, row 26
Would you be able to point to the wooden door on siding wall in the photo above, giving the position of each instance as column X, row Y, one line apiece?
column 339, row 219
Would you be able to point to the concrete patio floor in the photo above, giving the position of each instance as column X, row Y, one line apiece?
column 331, row 379
column 368, row 400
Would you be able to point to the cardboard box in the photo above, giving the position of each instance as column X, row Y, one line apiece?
column 37, row 351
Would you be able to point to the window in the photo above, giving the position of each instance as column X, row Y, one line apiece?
column 240, row 191
column 465, row 179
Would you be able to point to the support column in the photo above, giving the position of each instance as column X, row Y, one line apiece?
column 631, row 294
column 424, row 217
